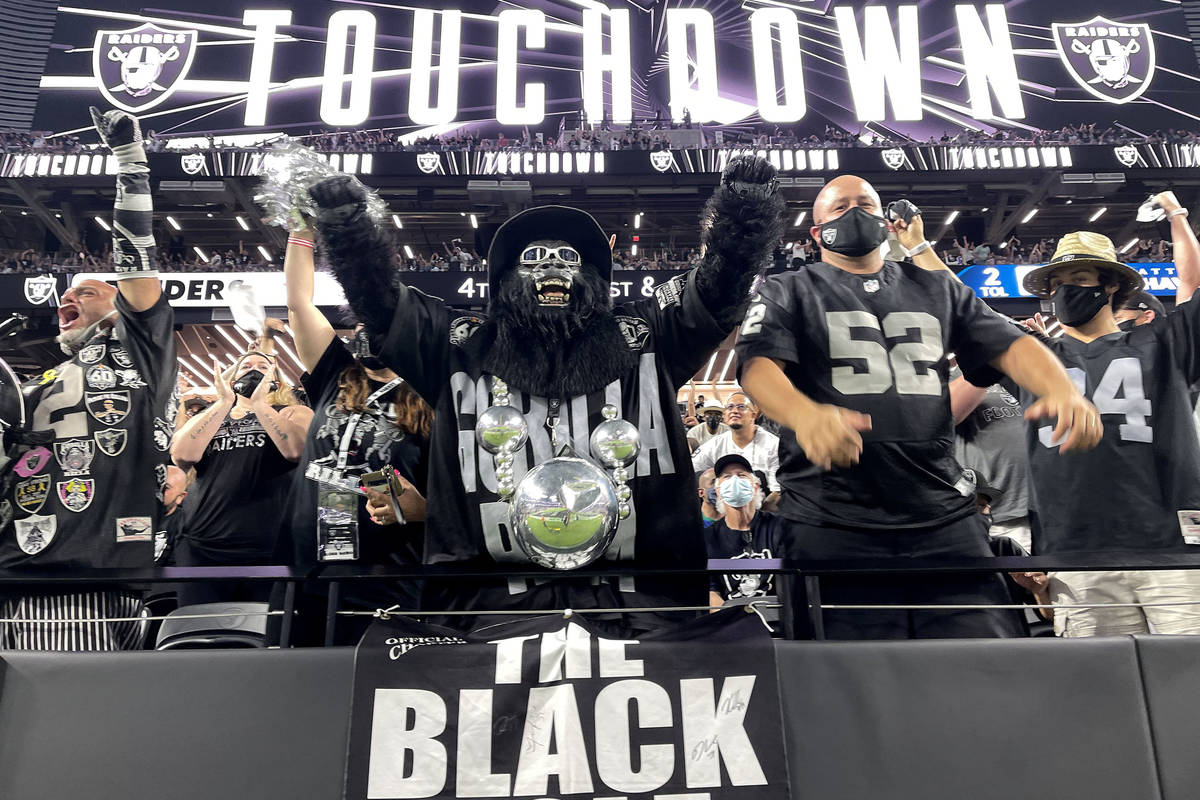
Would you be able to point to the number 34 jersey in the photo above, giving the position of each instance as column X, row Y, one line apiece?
column 877, row 344
column 89, row 496
column 1140, row 487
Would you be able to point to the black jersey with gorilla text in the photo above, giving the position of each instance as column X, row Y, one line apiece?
column 875, row 343
column 436, row 349
column 1140, row 487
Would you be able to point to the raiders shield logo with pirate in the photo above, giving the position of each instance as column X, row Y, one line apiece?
column 140, row 67
column 1111, row 60
column 40, row 288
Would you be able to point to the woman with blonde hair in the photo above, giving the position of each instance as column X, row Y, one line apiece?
column 366, row 420
column 242, row 446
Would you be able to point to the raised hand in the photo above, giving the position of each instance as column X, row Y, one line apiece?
column 338, row 199
column 116, row 128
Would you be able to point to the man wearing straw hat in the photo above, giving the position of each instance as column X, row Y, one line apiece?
column 1139, row 489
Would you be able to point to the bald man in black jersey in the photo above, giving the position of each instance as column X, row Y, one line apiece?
column 850, row 354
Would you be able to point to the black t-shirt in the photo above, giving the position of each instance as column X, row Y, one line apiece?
column 241, row 483
column 672, row 332
column 376, row 441
column 763, row 540
column 91, row 497
column 877, row 344
column 1140, row 486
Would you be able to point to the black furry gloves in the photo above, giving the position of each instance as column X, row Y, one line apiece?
column 742, row 225
column 361, row 255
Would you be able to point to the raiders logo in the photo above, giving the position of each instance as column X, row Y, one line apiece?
column 671, row 292
column 1127, row 154
column 121, row 356
column 162, row 435
column 871, row 285
column 894, row 157
column 40, row 288
column 76, row 494
column 34, row 534
column 138, row 68
column 160, row 545
column 192, row 163
column 1110, row 60
column 92, row 353
column 33, row 462
column 101, row 376
column 130, row 378
column 462, row 328
column 31, row 494
column 134, row 529
column 111, row 441
column 429, row 163
column 829, row 235
column 75, row 456
column 635, row 331
column 107, row 408
column 662, row 160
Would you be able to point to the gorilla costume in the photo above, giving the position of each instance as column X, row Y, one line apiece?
column 553, row 336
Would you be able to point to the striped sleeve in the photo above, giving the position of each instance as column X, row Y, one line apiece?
column 134, row 252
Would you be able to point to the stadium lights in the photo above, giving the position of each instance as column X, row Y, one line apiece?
column 983, row 210
column 1099, row 213
column 708, row 372
column 800, row 217
column 199, row 252
column 637, row 220
column 242, row 221
column 396, row 221
column 953, row 215
column 1029, row 216
column 99, row 221
column 171, row 221
column 1129, row 245
column 265, row 254
column 1004, row 244
column 474, row 222
column 210, row 215
column 24, row 213
column 1069, row 202
column 408, row 252
column 633, row 249
column 237, row 348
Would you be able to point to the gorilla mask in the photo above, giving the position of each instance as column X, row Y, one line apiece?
column 550, row 292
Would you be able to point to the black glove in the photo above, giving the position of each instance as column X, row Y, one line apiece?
column 338, row 199
column 116, row 128
column 750, row 176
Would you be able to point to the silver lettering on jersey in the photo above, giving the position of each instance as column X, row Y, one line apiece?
column 462, row 390
column 651, row 424
column 1121, row 391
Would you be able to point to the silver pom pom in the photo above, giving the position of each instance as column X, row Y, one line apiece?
column 289, row 170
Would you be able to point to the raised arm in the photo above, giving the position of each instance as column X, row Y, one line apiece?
column 311, row 329
column 134, row 253
column 1187, row 249
column 911, row 236
column 743, row 223
column 190, row 441
column 361, row 254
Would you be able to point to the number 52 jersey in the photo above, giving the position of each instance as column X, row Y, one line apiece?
column 875, row 343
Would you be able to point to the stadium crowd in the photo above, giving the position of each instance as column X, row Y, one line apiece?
column 644, row 134
column 938, row 434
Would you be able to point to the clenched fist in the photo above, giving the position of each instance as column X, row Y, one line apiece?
column 338, row 199
column 750, row 176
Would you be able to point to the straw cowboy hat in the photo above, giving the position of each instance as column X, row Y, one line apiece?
column 1093, row 250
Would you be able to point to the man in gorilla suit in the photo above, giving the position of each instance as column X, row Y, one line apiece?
column 553, row 336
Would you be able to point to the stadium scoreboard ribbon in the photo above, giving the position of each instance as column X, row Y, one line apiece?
column 550, row 707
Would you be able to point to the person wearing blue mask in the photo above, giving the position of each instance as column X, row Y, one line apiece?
column 743, row 532
column 707, row 490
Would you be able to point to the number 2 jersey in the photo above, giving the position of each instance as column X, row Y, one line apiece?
column 90, row 497
column 1140, row 487
column 875, row 343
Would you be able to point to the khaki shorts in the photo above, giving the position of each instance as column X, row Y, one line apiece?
column 1147, row 586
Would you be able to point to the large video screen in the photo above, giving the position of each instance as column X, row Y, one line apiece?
column 915, row 69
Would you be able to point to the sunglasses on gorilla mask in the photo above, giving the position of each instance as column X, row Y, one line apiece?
column 537, row 254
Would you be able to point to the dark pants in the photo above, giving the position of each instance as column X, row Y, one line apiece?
column 965, row 537
column 187, row 554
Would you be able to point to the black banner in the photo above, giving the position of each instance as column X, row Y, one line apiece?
column 551, row 708
column 568, row 167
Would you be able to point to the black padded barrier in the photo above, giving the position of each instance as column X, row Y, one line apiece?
column 1095, row 719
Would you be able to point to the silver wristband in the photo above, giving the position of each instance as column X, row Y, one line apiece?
column 921, row 248
column 1179, row 212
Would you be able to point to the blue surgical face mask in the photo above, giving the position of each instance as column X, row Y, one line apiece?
column 710, row 494
column 737, row 491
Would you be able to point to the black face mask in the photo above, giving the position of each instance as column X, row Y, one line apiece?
column 1076, row 305
column 246, row 384
column 712, row 422
column 1128, row 324
column 855, row 233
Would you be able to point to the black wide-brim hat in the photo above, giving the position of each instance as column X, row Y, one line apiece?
column 577, row 228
